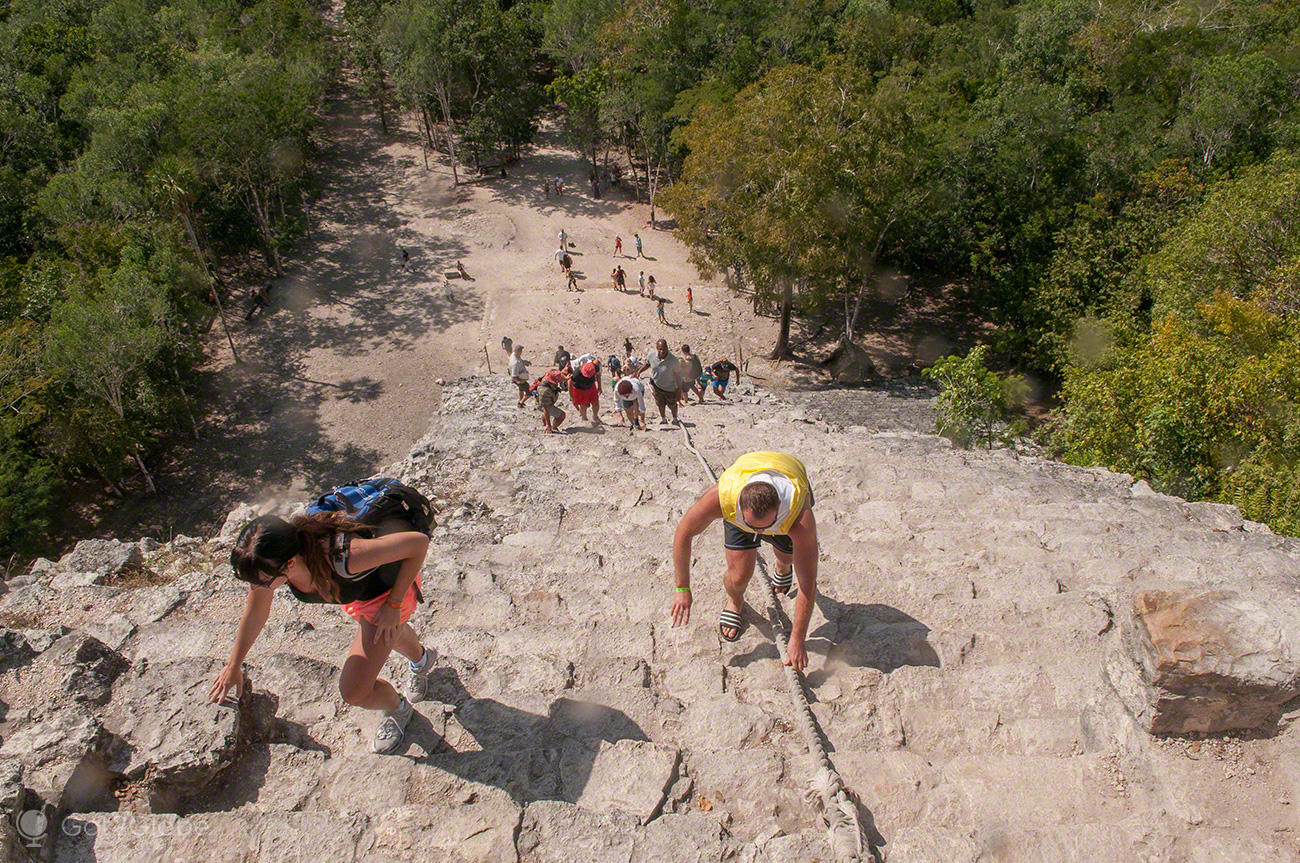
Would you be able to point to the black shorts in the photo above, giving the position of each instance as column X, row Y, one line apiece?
column 740, row 540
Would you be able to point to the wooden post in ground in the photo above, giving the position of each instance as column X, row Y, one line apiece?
column 740, row 359
column 487, row 357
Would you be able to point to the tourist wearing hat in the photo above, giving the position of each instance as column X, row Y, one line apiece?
column 584, row 389
column 721, row 371
column 548, row 389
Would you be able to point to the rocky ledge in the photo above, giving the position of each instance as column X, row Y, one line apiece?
column 1013, row 659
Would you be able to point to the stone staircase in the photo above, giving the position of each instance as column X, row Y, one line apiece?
column 959, row 670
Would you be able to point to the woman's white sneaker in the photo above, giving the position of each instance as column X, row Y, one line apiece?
column 417, row 678
column 388, row 736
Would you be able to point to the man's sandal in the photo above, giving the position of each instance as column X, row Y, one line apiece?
column 729, row 619
column 782, row 581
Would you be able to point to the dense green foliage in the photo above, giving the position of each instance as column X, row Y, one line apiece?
column 144, row 142
column 1117, row 184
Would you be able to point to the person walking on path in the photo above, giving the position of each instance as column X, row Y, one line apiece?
column 762, row 497
column 640, row 283
column 564, row 239
column 584, row 390
column 652, row 286
column 566, row 263
column 637, row 237
column 620, row 279
column 721, row 372
column 618, row 246
column 518, row 370
column 690, row 300
column 330, row 558
column 406, row 259
column 692, row 371
column 562, row 358
column 572, row 280
column 631, row 400
column 257, row 300
column 627, row 347
column 548, row 390
column 665, row 380
column 663, row 320
column 560, row 255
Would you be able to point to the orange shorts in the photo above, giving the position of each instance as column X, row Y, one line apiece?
column 366, row 609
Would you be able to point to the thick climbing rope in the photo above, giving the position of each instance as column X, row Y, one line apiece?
column 838, row 811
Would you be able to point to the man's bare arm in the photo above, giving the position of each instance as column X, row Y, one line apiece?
column 702, row 513
column 804, row 536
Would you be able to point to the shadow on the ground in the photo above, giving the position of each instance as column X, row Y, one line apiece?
column 528, row 755
column 854, row 636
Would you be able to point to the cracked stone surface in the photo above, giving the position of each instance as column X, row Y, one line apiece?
column 974, row 665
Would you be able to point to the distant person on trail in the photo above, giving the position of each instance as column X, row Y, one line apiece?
column 460, row 268
column 559, row 187
column 257, row 298
column 566, row 263
column 564, row 239
column 561, row 358
column 627, row 347
column 406, row 259
column 721, row 372
column 762, row 497
column 692, row 371
column 548, row 390
column 572, row 280
column 519, row 373
column 618, row 246
column 665, row 380
column 620, row 278
column 661, row 301
column 584, row 389
column 651, row 285
column 631, row 399
column 690, row 300
column 615, row 367
column 640, row 283
column 637, row 237
column 560, row 255
column 372, row 572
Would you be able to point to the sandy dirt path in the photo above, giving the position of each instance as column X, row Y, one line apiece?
column 338, row 374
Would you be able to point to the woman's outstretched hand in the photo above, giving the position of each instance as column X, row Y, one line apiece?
column 229, row 676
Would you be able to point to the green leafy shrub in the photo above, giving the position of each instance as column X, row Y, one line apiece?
column 972, row 407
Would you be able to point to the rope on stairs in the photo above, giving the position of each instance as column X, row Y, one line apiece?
column 826, row 787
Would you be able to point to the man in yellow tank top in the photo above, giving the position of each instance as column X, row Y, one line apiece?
column 763, row 497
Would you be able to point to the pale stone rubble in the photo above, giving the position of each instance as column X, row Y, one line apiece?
column 997, row 638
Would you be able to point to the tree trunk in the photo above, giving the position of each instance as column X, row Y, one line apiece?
column 212, row 284
column 148, row 478
column 444, row 102
column 263, row 217
column 782, row 350
column 867, row 277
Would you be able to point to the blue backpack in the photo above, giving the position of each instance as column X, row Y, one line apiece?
column 370, row 501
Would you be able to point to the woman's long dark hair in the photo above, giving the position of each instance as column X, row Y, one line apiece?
column 268, row 542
